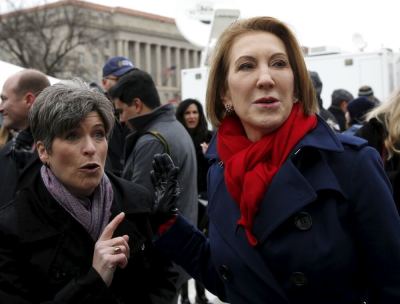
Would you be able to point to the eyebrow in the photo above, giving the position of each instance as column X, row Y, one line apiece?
column 100, row 124
column 248, row 57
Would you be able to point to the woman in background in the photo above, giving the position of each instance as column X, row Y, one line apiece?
column 191, row 115
column 382, row 130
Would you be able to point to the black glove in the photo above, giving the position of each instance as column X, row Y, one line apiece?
column 164, row 177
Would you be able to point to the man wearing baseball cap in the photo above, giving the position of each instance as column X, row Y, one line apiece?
column 114, row 68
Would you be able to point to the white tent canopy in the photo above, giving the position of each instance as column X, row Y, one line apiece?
column 7, row 69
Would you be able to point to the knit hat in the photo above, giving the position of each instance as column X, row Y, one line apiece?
column 117, row 66
column 358, row 108
column 365, row 91
column 340, row 95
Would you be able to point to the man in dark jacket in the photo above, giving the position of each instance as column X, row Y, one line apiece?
column 18, row 157
column 113, row 69
column 340, row 101
column 155, row 130
column 324, row 113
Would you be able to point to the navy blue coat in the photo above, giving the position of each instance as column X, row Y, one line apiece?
column 328, row 231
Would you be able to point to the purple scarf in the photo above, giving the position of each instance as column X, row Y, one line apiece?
column 93, row 214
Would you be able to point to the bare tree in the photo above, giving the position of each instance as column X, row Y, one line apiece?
column 44, row 36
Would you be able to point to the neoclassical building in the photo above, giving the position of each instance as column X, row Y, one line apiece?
column 152, row 42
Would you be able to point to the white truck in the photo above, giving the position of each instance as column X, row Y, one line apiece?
column 380, row 70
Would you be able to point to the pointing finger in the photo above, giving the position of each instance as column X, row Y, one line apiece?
column 111, row 227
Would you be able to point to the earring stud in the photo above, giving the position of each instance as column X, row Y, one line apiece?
column 229, row 109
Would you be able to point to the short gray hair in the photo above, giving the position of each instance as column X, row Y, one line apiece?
column 62, row 106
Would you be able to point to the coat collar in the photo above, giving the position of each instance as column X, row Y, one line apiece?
column 143, row 122
column 322, row 137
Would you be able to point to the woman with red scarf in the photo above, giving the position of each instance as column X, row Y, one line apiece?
column 297, row 213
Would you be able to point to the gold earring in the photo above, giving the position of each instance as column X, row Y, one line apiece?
column 229, row 109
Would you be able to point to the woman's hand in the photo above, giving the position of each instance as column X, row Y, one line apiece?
column 164, row 177
column 204, row 147
column 110, row 252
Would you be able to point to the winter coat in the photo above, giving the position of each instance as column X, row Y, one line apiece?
column 339, row 116
column 375, row 133
column 116, row 142
column 17, row 162
column 141, row 147
column 328, row 231
column 202, row 162
column 139, row 152
column 46, row 255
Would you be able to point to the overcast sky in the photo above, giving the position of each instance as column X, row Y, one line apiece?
column 316, row 22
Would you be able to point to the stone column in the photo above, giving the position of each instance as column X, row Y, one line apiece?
column 178, row 67
column 137, row 54
column 158, row 65
column 168, row 72
column 186, row 58
column 120, row 47
column 148, row 58
column 126, row 49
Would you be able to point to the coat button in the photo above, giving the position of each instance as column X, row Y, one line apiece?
column 225, row 272
column 303, row 221
column 298, row 279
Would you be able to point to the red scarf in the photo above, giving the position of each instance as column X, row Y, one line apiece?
column 250, row 166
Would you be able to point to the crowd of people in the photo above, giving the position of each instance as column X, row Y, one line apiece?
column 109, row 196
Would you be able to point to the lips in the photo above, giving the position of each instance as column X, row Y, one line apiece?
column 266, row 100
column 90, row 166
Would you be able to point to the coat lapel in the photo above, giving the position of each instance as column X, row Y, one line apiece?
column 288, row 193
column 227, row 210
column 291, row 190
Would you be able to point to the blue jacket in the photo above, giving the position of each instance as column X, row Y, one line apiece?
column 328, row 231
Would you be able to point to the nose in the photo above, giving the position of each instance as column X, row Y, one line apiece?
column 89, row 146
column 121, row 117
column 265, row 80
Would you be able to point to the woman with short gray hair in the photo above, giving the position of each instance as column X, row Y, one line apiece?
column 63, row 106
column 67, row 236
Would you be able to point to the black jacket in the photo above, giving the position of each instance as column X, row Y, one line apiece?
column 17, row 163
column 339, row 116
column 46, row 255
column 375, row 132
column 116, row 143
